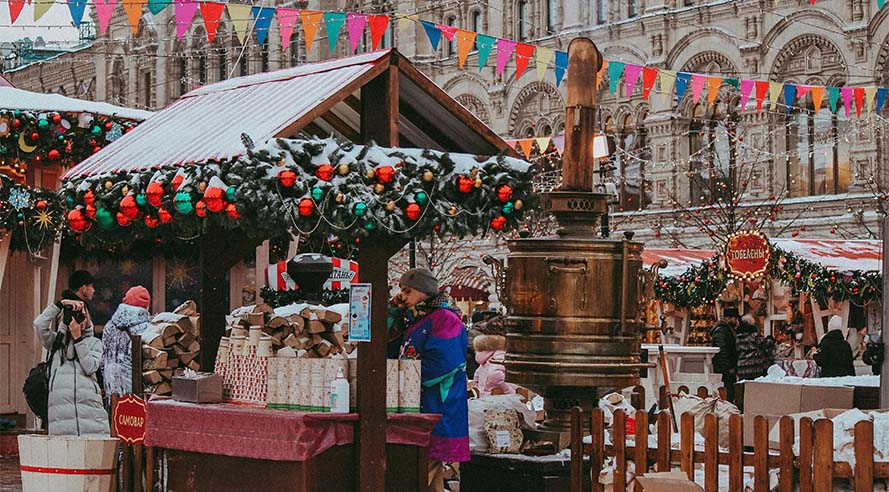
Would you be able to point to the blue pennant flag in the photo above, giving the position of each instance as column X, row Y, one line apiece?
column 77, row 7
column 789, row 96
column 262, row 20
column 433, row 32
column 682, row 80
column 881, row 98
column 561, row 65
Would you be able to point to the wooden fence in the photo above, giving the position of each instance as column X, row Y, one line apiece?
column 812, row 471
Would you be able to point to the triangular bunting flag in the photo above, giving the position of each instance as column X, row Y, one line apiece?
column 847, row 99
column 561, row 65
column 774, row 93
column 355, row 24
column 869, row 94
column 631, row 76
column 76, row 7
column 433, row 33
column 286, row 20
column 615, row 69
column 157, row 6
column 682, row 80
column 104, row 11
column 504, row 51
column 240, row 17
column 833, row 95
column 789, row 96
column 542, row 144
column 859, row 100
column 648, row 77
column 378, row 26
column 697, row 86
column 15, row 8
column 668, row 77
column 447, row 31
column 311, row 22
column 262, row 20
column 713, row 84
column 404, row 21
column 485, row 44
column 880, row 4
column 511, row 143
column 333, row 24
column 559, row 143
column 817, row 97
column 881, row 98
column 42, row 6
column 133, row 9
column 762, row 88
column 525, row 144
column 465, row 39
column 523, row 54
column 544, row 56
column 185, row 10
column 802, row 90
column 746, row 88
column 732, row 81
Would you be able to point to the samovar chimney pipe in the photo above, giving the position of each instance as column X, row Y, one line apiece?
column 584, row 63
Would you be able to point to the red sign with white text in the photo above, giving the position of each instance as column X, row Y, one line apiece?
column 129, row 419
column 747, row 255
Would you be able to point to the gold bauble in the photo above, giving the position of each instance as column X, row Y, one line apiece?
column 125, row 190
column 478, row 182
column 379, row 187
column 202, row 186
column 473, row 172
column 428, row 176
column 390, row 206
column 340, row 197
column 343, row 169
column 281, row 163
column 453, row 211
column 109, row 185
column 370, row 174
column 518, row 205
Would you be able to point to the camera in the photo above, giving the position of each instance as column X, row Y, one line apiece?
column 69, row 314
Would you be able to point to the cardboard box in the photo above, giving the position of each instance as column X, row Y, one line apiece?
column 205, row 387
column 667, row 482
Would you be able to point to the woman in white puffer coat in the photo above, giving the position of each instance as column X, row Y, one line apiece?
column 130, row 318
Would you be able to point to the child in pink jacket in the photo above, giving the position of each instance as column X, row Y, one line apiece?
column 490, row 351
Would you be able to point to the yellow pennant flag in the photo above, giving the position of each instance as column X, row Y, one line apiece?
column 542, row 144
column 544, row 56
column 405, row 21
column 668, row 78
column 464, row 45
column 774, row 94
column 240, row 17
column 601, row 72
column 713, row 84
column 525, row 143
column 311, row 22
column 817, row 97
column 869, row 93
column 40, row 8
column 133, row 8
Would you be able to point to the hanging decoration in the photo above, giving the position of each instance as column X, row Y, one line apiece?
column 29, row 217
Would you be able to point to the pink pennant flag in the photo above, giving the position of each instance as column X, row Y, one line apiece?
column 185, row 10
column 104, row 11
column 504, row 51
column 847, row 99
column 631, row 75
column 447, row 31
column 802, row 90
column 355, row 24
column 286, row 20
column 746, row 89
column 697, row 86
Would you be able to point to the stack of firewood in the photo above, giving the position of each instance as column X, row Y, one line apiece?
column 303, row 329
column 170, row 345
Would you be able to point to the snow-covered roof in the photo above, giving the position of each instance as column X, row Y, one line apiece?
column 13, row 98
column 678, row 260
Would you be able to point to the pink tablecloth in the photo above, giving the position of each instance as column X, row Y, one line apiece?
column 253, row 432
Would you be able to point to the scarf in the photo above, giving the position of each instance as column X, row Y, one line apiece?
column 400, row 319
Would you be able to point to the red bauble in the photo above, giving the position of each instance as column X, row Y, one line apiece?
column 129, row 208
column 177, row 181
column 152, row 222
column 155, row 194
column 306, row 207
column 108, row 125
column 232, row 211
column 96, row 149
column 56, row 118
column 164, row 215
column 287, row 178
column 413, row 211
column 41, row 205
column 89, row 197
column 465, row 184
column 504, row 193
column 91, row 211
column 53, row 154
column 200, row 208
column 213, row 197
column 498, row 223
column 324, row 172
column 76, row 220
column 385, row 174
column 16, row 123
column 122, row 219
column 35, row 136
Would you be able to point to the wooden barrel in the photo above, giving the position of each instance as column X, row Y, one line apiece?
column 68, row 463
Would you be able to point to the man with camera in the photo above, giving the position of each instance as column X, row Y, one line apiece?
column 66, row 330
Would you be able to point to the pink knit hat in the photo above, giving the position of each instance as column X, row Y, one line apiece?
column 138, row 296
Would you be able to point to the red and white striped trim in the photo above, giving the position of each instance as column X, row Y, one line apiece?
column 66, row 471
column 345, row 273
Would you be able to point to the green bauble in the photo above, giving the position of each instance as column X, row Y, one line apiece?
column 61, row 138
column 359, row 209
column 422, row 198
column 97, row 130
column 370, row 226
column 230, row 193
column 17, row 112
column 42, row 123
column 69, row 200
column 104, row 218
column 317, row 194
column 141, row 200
column 183, row 203
column 508, row 207
column 20, row 216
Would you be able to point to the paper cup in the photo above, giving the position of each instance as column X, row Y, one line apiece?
column 264, row 349
column 254, row 336
column 238, row 332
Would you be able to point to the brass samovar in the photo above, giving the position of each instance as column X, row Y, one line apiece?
column 573, row 299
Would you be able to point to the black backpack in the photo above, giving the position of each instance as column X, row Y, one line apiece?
column 36, row 387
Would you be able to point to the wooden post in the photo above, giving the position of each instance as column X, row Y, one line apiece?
column 760, row 454
column 711, row 453
column 619, row 431
column 806, row 431
column 785, row 459
column 864, row 456
column 576, row 449
column 687, row 445
column 736, row 454
column 884, row 372
column 641, row 451
column 663, row 441
column 597, row 453
column 823, row 469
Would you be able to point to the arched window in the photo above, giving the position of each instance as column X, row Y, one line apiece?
column 451, row 47
column 631, row 8
column 476, row 24
column 712, row 154
column 524, row 21
column 818, row 159
column 264, row 56
column 551, row 15
column 183, row 75
column 601, row 11
column 221, row 63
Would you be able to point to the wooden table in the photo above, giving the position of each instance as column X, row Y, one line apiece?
column 227, row 447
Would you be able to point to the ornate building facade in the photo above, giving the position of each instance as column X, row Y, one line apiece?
column 667, row 156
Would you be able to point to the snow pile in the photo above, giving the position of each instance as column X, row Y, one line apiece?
column 844, row 435
column 777, row 375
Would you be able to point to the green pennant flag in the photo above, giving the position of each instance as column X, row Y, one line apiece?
column 732, row 82
column 880, row 3
column 484, row 43
column 615, row 70
column 334, row 24
column 834, row 94
column 158, row 6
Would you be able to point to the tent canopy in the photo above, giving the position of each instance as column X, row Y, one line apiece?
column 12, row 98
column 318, row 98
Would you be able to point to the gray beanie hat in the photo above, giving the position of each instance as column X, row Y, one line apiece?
column 420, row 279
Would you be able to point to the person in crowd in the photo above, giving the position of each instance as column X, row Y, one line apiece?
column 130, row 318
column 435, row 335
column 75, row 401
column 755, row 352
column 723, row 337
column 490, row 351
column 834, row 355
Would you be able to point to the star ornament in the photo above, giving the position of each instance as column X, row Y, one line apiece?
column 43, row 219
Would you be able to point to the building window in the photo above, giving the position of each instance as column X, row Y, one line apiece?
column 183, row 75
column 524, row 21
column 242, row 63
column 551, row 16
column 451, row 47
column 202, row 69
column 712, row 155
column 264, row 56
column 476, row 24
column 146, row 89
column 817, row 164
column 631, row 8
column 222, row 64
column 296, row 54
column 601, row 11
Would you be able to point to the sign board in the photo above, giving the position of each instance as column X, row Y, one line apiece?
column 359, row 312
column 747, row 255
column 345, row 273
column 129, row 419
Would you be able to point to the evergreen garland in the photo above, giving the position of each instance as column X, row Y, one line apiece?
column 34, row 217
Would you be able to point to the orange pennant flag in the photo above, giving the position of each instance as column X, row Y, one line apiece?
column 601, row 72
column 311, row 22
column 817, row 97
column 133, row 8
column 464, row 45
column 526, row 143
column 713, row 84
